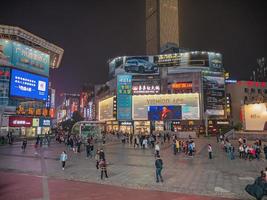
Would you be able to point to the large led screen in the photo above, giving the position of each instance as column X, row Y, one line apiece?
column 189, row 104
column 164, row 112
column 23, row 84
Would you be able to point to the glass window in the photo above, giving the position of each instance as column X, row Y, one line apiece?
column 252, row 90
column 259, row 91
column 246, row 90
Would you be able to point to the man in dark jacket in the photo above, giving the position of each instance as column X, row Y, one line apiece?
column 159, row 166
column 259, row 188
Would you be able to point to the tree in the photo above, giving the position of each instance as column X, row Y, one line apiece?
column 76, row 116
column 68, row 124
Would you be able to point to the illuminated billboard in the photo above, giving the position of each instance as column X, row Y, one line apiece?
column 255, row 117
column 133, row 65
column 24, row 57
column 189, row 104
column 214, row 90
column 161, row 113
column 106, row 109
column 23, row 84
column 124, row 97
column 174, row 62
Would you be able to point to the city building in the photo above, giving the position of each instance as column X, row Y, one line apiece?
column 239, row 95
column 27, row 102
column 162, row 24
column 162, row 92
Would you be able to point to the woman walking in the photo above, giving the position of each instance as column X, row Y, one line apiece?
column 103, row 166
column 63, row 159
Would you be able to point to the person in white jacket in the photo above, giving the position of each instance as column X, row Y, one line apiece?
column 63, row 159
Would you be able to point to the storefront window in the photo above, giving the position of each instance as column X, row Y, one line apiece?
column 142, row 127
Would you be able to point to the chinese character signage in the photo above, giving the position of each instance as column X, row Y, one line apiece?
column 20, row 121
column 24, row 57
column 23, row 84
column 124, row 97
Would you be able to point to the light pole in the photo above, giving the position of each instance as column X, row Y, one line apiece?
column 206, row 124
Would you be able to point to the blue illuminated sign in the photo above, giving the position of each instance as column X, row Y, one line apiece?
column 124, row 97
column 23, row 84
column 45, row 122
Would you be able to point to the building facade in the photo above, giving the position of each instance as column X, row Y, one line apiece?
column 162, row 24
column 27, row 101
column 240, row 93
column 162, row 92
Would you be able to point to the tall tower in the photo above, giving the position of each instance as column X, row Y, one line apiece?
column 162, row 24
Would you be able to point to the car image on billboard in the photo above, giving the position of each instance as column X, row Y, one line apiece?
column 140, row 66
column 133, row 65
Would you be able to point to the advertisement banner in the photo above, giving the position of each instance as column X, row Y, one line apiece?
column 45, row 122
column 189, row 104
column 106, row 109
column 124, row 97
column 214, row 94
column 146, row 87
column 164, row 113
column 133, row 65
column 29, row 59
column 255, row 117
column 24, row 57
column 23, row 84
column 35, row 122
column 137, row 65
column 5, row 52
column 20, row 121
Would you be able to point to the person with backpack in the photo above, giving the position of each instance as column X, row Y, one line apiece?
column 63, row 159
column 159, row 166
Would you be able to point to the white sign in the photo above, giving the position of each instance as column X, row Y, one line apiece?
column 255, row 117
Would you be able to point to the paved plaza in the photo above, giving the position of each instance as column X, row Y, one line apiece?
column 131, row 172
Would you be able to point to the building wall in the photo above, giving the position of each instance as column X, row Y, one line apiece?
column 245, row 92
column 161, row 24
column 168, row 22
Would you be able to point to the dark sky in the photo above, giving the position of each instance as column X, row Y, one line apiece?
column 92, row 31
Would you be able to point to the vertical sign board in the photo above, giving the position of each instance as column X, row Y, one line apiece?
column 124, row 97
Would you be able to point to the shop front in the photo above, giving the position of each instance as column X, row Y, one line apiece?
column 45, row 126
column 126, row 127
column 21, row 126
column 185, row 125
column 112, row 126
column 142, row 127
column 157, row 125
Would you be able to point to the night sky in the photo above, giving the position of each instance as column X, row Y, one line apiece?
column 93, row 31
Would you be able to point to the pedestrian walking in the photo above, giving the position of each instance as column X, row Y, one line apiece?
column 159, row 166
column 103, row 166
column 88, row 150
column 157, row 149
column 102, row 154
column 210, row 151
column 24, row 144
column 63, row 159
column 97, row 158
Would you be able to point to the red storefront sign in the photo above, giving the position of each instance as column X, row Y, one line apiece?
column 20, row 121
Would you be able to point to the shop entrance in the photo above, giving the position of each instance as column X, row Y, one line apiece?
column 142, row 127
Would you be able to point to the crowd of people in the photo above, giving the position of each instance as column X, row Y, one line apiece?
column 245, row 150
column 188, row 147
